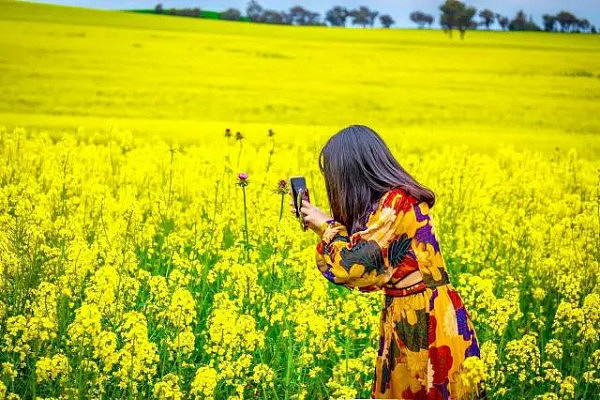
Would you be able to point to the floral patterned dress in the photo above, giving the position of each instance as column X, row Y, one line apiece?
column 425, row 331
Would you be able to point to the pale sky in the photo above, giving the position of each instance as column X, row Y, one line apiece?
column 398, row 9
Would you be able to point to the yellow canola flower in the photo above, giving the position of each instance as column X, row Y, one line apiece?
column 184, row 342
column 551, row 374
column 86, row 325
column 159, row 294
column 567, row 388
column 204, row 383
column 105, row 349
column 231, row 332
column 168, row 388
column 489, row 356
column 50, row 368
column 546, row 396
column 554, row 349
column 182, row 309
column 473, row 373
column 263, row 374
column 8, row 370
column 138, row 356
column 523, row 357
column 177, row 278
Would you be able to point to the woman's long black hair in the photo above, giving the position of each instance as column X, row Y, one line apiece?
column 359, row 168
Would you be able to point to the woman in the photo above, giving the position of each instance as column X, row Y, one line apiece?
column 381, row 236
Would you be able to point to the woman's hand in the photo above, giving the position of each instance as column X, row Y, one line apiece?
column 313, row 216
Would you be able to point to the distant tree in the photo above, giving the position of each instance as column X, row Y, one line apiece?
column 583, row 24
column 532, row 25
column 314, row 18
column 386, row 20
column 549, row 22
column 372, row 17
column 337, row 16
column 593, row 29
column 521, row 23
column 286, row 18
column 465, row 21
column 487, row 17
column 455, row 14
column 363, row 16
column 449, row 17
column 420, row 18
column 298, row 15
column 158, row 9
column 301, row 16
column 502, row 21
column 415, row 17
column 271, row 17
column 188, row 12
column 518, row 22
column 359, row 18
column 429, row 19
column 254, row 11
column 566, row 20
column 232, row 14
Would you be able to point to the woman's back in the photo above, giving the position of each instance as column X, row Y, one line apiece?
column 422, row 252
column 399, row 237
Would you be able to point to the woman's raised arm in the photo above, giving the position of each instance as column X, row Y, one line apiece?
column 367, row 259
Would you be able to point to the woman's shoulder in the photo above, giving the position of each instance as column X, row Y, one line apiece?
column 398, row 199
column 396, row 203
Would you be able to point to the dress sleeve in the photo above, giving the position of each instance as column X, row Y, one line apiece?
column 366, row 260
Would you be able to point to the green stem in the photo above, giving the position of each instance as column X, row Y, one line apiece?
column 239, row 154
column 346, row 354
column 245, row 222
column 212, row 233
column 289, row 366
column 270, row 155
column 281, row 207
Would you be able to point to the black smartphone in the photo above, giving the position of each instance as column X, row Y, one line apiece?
column 299, row 193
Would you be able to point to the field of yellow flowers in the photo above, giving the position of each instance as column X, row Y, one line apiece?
column 133, row 265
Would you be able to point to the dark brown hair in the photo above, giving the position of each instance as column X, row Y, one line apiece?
column 359, row 169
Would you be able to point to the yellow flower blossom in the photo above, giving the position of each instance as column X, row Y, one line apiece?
column 204, row 383
column 168, row 388
column 184, row 342
column 50, row 368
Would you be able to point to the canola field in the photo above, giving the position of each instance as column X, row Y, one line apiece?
column 126, row 270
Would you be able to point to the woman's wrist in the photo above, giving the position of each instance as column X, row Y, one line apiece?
column 323, row 227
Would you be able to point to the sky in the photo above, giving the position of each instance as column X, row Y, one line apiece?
column 398, row 9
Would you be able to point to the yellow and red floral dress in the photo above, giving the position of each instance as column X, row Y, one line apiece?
column 425, row 331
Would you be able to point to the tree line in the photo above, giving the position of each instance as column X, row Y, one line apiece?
column 297, row 15
column 455, row 15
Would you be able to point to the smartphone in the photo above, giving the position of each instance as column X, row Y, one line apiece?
column 299, row 193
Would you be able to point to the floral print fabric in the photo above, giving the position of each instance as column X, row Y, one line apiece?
column 425, row 337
